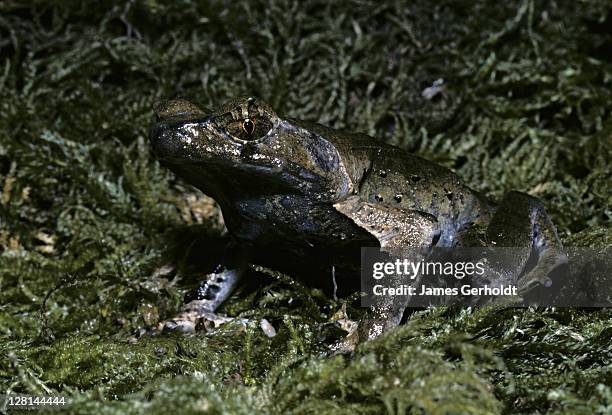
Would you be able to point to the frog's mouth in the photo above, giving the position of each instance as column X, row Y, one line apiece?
column 229, row 181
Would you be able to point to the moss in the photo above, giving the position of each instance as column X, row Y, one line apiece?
column 88, row 216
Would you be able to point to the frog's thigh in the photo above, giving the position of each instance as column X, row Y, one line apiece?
column 394, row 228
column 216, row 288
column 521, row 221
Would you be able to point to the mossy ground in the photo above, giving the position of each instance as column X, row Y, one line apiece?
column 88, row 215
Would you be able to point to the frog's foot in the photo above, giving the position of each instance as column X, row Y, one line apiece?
column 542, row 275
column 379, row 319
column 186, row 322
column 179, row 324
column 521, row 221
column 210, row 294
column 342, row 328
column 347, row 343
column 212, row 321
column 345, row 346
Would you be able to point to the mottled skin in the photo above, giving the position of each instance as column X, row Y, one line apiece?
column 297, row 194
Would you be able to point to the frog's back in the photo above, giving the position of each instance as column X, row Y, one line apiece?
column 400, row 180
column 389, row 176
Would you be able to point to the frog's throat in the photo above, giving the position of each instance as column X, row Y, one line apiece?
column 341, row 182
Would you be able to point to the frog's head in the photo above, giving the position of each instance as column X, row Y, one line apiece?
column 244, row 148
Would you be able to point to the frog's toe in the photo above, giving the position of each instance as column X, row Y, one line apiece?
column 348, row 343
column 176, row 325
column 547, row 274
column 212, row 321
column 345, row 346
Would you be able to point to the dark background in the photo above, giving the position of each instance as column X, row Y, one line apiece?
column 88, row 217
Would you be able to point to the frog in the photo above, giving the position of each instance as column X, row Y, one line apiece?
column 300, row 195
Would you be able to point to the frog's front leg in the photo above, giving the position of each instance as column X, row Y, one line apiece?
column 521, row 221
column 212, row 292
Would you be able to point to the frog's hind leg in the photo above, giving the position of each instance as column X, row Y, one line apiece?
column 395, row 229
column 216, row 288
column 521, row 221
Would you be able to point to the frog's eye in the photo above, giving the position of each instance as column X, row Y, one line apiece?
column 261, row 126
column 247, row 129
column 248, row 126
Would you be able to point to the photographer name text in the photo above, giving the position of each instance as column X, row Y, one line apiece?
column 424, row 291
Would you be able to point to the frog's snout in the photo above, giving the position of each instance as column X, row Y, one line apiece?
column 166, row 136
column 164, row 141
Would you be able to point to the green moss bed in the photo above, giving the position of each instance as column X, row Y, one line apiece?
column 89, row 218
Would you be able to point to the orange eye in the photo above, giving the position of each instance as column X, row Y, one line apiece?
column 248, row 126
